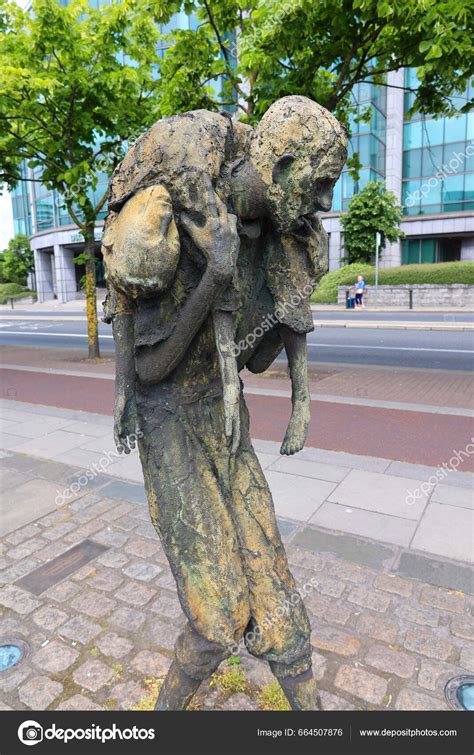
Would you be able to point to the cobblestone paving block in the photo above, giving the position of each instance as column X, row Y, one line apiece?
column 327, row 638
column 162, row 635
column 376, row 601
column 105, row 579
column 52, row 550
column 377, row 627
column 92, row 603
column 126, row 522
column 360, row 683
column 151, row 664
column 333, row 611
column 426, row 643
column 135, row 594
column 113, row 538
column 62, row 592
column 463, row 626
column 10, row 625
column 55, row 657
column 142, row 547
column 111, row 644
column 127, row 694
column 127, row 618
column 120, row 510
column 411, row 699
column 239, row 701
column 350, row 572
column 19, row 569
column 467, row 659
column 256, row 671
column 93, row 675
column 113, row 559
column 146, row 529
column 142, row 570
column 306, row 559
column 78, row 702
column 166, row 580
column 80, row 629
column 49, row 618
column 10, row 682
column 81, row 533
column 168, row 606
column 27, row 548
column 433, row 675
column 391, row 661
column 418, row 615
column 328, row 585
column 393, row 584
column 4, row 706
column 444, row 599
column 58, row 531
column 18, row 600
column 319, row 665
column 24, row 533
column 38, row 693
column 334, row 702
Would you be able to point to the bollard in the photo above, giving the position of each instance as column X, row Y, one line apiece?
column 410, row 298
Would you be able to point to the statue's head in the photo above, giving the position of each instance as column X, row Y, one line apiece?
column 298, row 151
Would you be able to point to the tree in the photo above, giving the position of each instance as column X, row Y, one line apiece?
column 17, row 260
column 76, row 84
column 372, row 209
column 319, row 49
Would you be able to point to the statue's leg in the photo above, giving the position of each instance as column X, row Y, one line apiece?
column 195, row 660
column 277, row 609
column 185, row 461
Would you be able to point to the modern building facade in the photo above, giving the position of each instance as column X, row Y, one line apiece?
column 428, row 163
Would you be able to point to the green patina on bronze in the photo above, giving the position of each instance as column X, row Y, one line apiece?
column 213, row 237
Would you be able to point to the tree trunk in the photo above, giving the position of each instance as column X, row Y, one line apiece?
column 91, row 297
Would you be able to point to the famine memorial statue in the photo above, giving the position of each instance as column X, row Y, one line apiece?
column 212, row 247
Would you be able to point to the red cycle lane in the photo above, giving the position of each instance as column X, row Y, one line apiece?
column 417, row 437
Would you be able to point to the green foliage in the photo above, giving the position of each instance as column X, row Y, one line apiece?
column 318, row 49
column 272, row 697
column 17, row 260
column 13, row 291
column 231, row 680
column 439, row 273
column 372, row 209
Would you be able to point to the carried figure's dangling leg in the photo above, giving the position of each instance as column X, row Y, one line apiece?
column 301, row 691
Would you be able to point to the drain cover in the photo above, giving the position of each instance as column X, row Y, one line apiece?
column 10, row 655
column 459, row 692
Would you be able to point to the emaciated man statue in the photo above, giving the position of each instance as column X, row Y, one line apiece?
column 212, row 247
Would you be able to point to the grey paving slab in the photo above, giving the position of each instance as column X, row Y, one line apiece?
column 423, row 472
column 51, row 445
column 383, row 527
column 383, row 493
column 8, row 440
column 297, row 497
column 34, row 428
column 266, row 459
column 286, row 528
column 83, row 459
column 452, row 496
column 127, row 468
column 374, row 555
column 446, row 531
column 370, row 463
column 436, row 572
column 125, row 491
column 317, row 470
column 25, row 503
column 87, row 428
column 101, row 444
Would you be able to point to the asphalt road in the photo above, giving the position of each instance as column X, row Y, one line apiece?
column 427, row 349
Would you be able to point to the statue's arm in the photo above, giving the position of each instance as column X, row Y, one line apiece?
column 297, row 353
column 218, row 240
column 125, row 413
column 224, row 330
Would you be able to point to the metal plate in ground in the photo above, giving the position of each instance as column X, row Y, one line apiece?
column 62, row 566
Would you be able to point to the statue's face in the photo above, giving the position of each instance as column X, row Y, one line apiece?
column 303, row 186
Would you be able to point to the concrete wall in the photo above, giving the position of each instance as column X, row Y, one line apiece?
column 426, row 295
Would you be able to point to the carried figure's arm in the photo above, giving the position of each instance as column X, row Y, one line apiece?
column 297, row 353
column 224, row 329
column 218, row 240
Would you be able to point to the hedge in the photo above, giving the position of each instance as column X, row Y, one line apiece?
column 440, row 273
column 13, row 291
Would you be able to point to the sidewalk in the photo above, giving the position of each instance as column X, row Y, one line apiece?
column 87, row 584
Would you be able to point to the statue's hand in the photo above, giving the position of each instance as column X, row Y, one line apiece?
column 217, row 237
column 297, row 430
column 232, row 423
column 125, row 423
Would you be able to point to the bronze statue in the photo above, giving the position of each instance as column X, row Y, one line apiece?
column 212, row 247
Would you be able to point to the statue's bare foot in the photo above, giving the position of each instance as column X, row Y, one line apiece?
column 297, row 430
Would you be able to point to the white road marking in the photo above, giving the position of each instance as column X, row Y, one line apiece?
column 385, row 348
column 52, row 335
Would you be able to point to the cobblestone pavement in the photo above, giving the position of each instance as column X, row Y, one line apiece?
column 390, row 626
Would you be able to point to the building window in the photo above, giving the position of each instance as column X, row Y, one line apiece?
column 424, row 251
